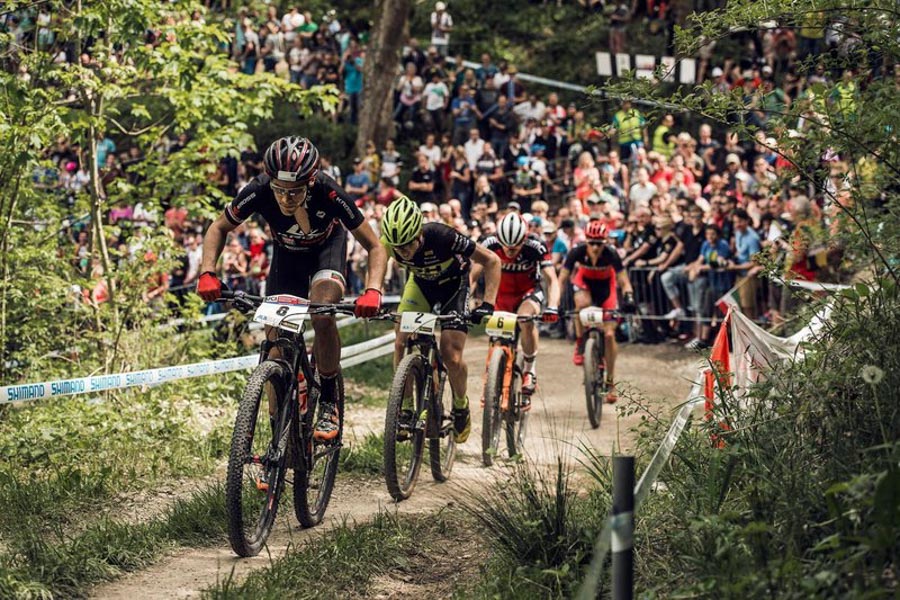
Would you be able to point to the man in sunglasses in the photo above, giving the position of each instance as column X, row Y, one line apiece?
column 309, row 215
column 598, row 271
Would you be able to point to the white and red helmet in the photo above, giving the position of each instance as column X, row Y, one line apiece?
column 292, row 158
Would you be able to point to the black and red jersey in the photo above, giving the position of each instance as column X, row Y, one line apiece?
column 521, row 273
column 608, row 264
column 327, row 205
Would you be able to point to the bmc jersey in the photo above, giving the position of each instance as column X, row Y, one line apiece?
column 521, row 273
column 606, row 267
column 443, row 255
column 326, row 205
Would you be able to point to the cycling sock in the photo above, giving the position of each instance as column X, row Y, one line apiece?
column 579, row 343
column 328, row 383
column 460, row 402
column 529, row 362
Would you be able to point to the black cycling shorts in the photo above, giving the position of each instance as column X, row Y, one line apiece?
column 292, row 271
column 444, row 298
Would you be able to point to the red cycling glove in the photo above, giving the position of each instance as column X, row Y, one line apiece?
column 368, row 304
column 209, row 287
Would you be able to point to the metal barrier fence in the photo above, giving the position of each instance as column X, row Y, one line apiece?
column 653, row 291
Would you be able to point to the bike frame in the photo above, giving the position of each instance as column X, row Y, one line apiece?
column 427, row 346
column 508, row 347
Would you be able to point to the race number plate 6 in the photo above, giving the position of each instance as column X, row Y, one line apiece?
column 591, row 316
column 417, row 322
column 502, row 325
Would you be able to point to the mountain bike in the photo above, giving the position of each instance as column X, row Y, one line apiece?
column 268, row 442
column 594, row 360
column 418, row 408
column 503, row 400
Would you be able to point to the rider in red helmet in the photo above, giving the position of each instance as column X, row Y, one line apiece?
column 309, row 215
column 597, row 270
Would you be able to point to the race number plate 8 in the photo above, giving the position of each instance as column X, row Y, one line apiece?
column 591, row 316
column 275, row 313
column 417, row 322
column 502, row 325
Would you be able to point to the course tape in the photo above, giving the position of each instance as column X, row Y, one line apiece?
column 350, row 356
column 614, row 535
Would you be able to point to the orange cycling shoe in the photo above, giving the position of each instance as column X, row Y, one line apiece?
column 329, row 425
column 529, row 384
column 611, row 395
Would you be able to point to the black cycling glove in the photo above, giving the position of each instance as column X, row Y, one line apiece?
column 484, row 310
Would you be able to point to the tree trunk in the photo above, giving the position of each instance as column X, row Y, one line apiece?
column 98, row 196
column 379, row 72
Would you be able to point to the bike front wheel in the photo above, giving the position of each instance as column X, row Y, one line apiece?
column 594, row 379
column 491, row 418
column 404, row 427
column 256, row 461
column 516, row 420
column 317, row 466
column 442, row 442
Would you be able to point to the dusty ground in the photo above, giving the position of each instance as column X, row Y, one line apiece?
column 558, row 426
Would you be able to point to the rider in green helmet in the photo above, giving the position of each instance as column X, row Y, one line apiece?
column 439, row 260
column 402, row 222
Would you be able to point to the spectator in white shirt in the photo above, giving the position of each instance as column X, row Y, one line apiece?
column 437, row 98
column 474, row 147
column 431, row 150
column 441, row 26
column 641, row 191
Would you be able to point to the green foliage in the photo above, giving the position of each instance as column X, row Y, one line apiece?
column 345, row 561
column 803, row 499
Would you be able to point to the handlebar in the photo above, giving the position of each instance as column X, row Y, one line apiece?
column 612, row 314
column 395, row 317
column 245, row 302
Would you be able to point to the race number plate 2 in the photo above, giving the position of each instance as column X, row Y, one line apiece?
column 417, row 322
column 591, row 316
column 285, row 312
column 502, row 325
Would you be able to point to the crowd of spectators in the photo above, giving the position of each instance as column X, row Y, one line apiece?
column 690, row 208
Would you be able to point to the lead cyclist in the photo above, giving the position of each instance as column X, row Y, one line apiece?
column 309, row 215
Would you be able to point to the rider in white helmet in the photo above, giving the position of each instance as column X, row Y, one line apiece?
column 524, row 260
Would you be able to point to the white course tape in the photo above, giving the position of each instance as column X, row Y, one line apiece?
column 350, row 356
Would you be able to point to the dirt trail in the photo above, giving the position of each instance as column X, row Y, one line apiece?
column 558, row 425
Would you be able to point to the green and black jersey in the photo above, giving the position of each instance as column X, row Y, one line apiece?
column 443, row 256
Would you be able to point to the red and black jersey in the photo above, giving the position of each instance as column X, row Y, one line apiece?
column 606, row 267
column 521, row 273
column 327, row 205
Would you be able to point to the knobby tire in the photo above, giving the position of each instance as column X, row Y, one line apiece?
column 490, row 424
column 442, row 446
column 311, row 498
column 412, row 369
column 245, row 431
column 594, row 378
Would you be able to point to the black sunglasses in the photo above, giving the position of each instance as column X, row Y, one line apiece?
column 596, row 243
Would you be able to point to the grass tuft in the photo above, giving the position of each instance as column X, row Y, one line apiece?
column 364, row 457
column 542, row 530
column 37, row 565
